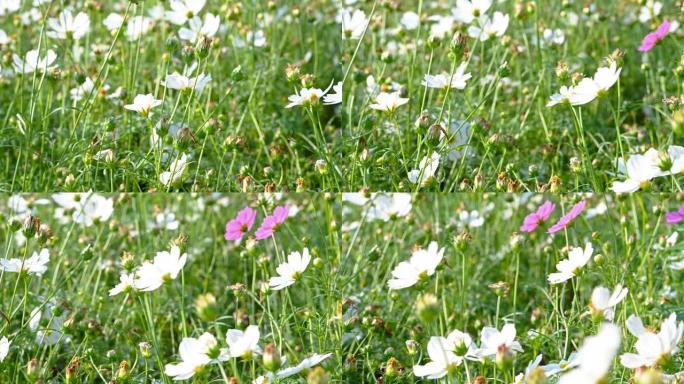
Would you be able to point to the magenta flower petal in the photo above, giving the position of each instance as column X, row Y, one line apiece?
column 533, row 220
column 271, row 222
column 238, row 227
column 574, row 212
column 652, row 39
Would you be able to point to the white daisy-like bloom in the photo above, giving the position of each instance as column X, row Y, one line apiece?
column 387, row 206
column 47, row 322
column 471, row 219
column 195, row 353
column 562, row 97
column 441, row 81
column 495, row 344
column 353, row 24
column 554, row 36
column 113, row 22
column 94, row 209
column 419, row 267
column 143, row 104
column 177, row 173
column 67, row 26
column 426, row 170
column 606, row 77
column 4, row 39
column 446, row 354
column 163, row 268
column 650, row 10
column 34, row 265
column 184, row 83
column 199, row 28
column 640, row 169
column 32, row 62
column 586, row 91
column 243, row 344
column 126, row 284
column 335, row 97
column 562, row 366
column 9, row 6
column 4, row 348
column 307, row 96
column 307, row 363
column 489, row 28
column 653, row 348
column 522, row 378
column 82, row 90
column 137, row 26
column 458, row 138
column 410, row 20
column 184, row 10
column 468, row 10
column 388, row 102
column 595, row 357
column 442, row 26
column 164, row 220
column 570, row 267
column 291, row 270
column 603, row 302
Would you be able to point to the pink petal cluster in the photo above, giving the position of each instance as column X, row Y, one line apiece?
column 676, row 216
column 575, row 211
column 533, row 220
column 272, row 222
column 242, row 223
column 652, row 39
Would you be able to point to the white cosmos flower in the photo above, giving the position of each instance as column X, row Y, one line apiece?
column 420, row 266
column 243, row 344
column 94, row 208
column 389, row 206
column 9, row 6
column 113, row 22
column 446, row 354
column 522, row 378
column 164, row 267
column 199, row 28
column 334, row 98
column 568, row 268
column 561, row 366
column 388, row 102
column 410, row 20
column 47, row 322
column 442, row 26
column 653, row 348
column 603, row 301
column 584, row 93
column 640, row 170
column 126, row 283
column 4, row 348
column 184, row 83
column 606, row 77
column 291, row 270
column 650, row 10
column 184, row 10
column 82, row 90
column 195, row 353
column 495, row 344
column 595, row 357
column 68, row 26
column 143, row 104
column 490, row 28
column 33, row 62
column 441, row 81
column 138, row 26
column 554, row 36
column 307, row 96
column 353, row 24
column 426, row 170
column 177, row 173
column 563, row 97
column 468, row 10
column 34, row 265
column 307, row 363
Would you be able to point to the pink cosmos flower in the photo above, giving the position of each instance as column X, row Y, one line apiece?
column 653, row 38
column 272, row 222
column 676, row 216
column 242, row 223
column 533, row 220
column 575, row 211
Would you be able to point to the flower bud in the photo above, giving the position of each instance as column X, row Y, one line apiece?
column 427, row 307
column 206, row 308
column 271, row 358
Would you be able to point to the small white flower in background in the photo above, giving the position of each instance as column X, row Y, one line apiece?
column 82, row 90
column 177, row 173
column 650, row 10
column 137, row 26
column 94, row 208
column 47, row 322
column 164, row 220
column 639, row 169
column 353, row 24
column 467, row 11
column 243, row 344
column 307, row 96
column 34, row 265
column 653, row 348
column 390, row 206
column 603, row 302
column 388, row 102
column 561, row 366
column 184, row 83
column 163, row 268
column 106, row 155
column 606, row 77
column 113, row 22
column 498, row 345
column 490, row 28
column 570, row 267
column 426, row 170
column 195, row 354
column 531, row 368
column 67, row 26
column 200, row 29
column 554, row 36
column 334, row 98
column 446, row 354
column 562, row 97
column 471, row 219
column 419, row 267
column 289, row 272
column 4, row 39
column 126, row 284
column 588, row 89
column 184, row 10
column 595, row 357
column 143, row 104
column 9, row 6
column 32, row 62
column 441, row 81
column 4, row 348
column 307, row 363
column 410, row 20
